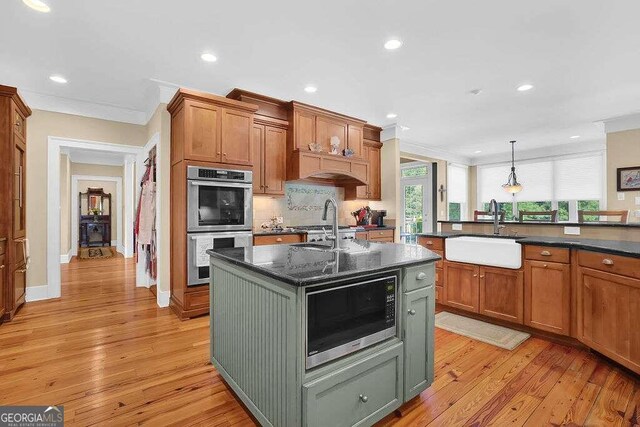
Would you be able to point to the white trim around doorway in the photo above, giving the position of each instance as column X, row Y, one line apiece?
column 55, row 144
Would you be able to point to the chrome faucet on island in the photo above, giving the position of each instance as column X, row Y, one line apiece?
column 334, row 237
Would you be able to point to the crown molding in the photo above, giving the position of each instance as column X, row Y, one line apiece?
column 540, row 153
column 621, row 123
column 412, row 147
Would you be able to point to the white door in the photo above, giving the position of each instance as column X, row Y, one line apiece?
column 417, row 200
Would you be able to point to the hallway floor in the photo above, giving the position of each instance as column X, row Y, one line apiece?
column 112, row 357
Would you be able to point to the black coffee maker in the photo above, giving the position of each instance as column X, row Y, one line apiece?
column 377, row 217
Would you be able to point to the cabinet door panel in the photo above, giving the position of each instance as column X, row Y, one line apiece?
column 354, row 139
column 305, row 130
column 19, row 189
column 275, row 153
column 375, row 184
column 547, row 296
column 327, row 128
column 19, row 284
column 237, row 132
column 418, row 340
column 608, row 305
column 501, row 293
column 202, row 132
column 461, row 288
column 362, row 191
column 258, row 166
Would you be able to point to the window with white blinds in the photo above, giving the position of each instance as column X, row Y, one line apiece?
column 564, row 179
column 457, row 191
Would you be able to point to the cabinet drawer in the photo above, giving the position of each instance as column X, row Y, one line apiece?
column 433, row 243
column 419, row 277
column 360, row 394
column 380, row 234
column 547, row 253
column 625, row 266
column 278, row 239
column 381, row 239
column 196, row 300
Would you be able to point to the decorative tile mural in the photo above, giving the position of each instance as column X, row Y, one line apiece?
column 307, row 197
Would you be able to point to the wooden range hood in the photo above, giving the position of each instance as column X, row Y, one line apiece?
column 307, row 124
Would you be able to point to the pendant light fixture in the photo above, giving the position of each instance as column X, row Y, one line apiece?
column 512, row 186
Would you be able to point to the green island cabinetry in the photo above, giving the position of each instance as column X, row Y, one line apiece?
column 258, row 346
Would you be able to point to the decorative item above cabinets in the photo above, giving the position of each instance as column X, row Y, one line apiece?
column 211, row 128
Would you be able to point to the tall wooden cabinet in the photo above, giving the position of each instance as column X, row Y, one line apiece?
column 269, row 166
column 371, row 151
column 13, row 228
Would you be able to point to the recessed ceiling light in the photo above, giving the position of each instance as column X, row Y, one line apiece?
column 575, row 137
column 525, row 87
column 209, row 57
column 477, row 152
column 310, row 89
column 475, row 92
column 57, row 78
column 38, row 5
column 393, row 44
column 392, row 116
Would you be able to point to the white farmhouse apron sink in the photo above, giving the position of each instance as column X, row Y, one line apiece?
column 494, row 252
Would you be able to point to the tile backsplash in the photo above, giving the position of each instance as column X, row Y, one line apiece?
column 303, row 205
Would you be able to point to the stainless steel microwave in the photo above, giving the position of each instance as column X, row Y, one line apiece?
column 344, row 318
column 219, row 199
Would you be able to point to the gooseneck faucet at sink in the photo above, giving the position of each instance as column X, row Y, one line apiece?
column 334, row 237
column 493, row 208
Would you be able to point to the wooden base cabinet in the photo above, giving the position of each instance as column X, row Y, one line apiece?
column 547, row 296
column 462, row 288
column 608, row 289
column 501, row 294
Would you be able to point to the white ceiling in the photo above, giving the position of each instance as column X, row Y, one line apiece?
column 583, row 56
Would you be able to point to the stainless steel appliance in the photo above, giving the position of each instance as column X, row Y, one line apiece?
column 199, row 243
column 219, row 199
column 344, row 318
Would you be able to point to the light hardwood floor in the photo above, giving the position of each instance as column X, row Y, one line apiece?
column 111, row 357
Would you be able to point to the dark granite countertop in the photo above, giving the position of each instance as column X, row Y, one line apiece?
column 563, row 224
column 614, row 247
column 279, row 233
column 302, row 265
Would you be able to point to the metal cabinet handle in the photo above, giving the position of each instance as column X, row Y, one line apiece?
column 545, row 253
column 219, row 152
column 421, row 276
column 545, row 266
column 482, row 276
column 412, row 312
column 607, row 261
column 429, row 242
column 475, row 275
column 24, row 270
column 18, row 123
column 279, row 239
column 224, row 154
column 363, row 398
column 1, row 267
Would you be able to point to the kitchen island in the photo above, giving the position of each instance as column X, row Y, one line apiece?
column 306, row 335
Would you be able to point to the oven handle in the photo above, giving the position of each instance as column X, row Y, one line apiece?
column 221, row 184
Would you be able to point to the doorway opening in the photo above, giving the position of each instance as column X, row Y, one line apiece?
column 416, row 186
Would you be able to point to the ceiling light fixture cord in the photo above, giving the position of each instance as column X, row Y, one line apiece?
column 512, row 186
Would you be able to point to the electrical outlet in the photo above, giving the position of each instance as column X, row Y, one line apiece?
column 637, row 201
column 573, row 231
column 636, row 214
column 620, row 196
column 456, row 227
column 280, row 220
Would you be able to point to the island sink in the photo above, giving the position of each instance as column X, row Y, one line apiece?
column 494, row 252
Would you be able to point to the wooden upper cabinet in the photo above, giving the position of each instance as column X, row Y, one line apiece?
column 362, row 191
column 462, row 286
column 211, row 128
column 375, row 181
column 326, row 128
column 237, row 135
column 608, row 306
column 547, row 296
column 304, row 128
column 202, row 132
column 355, row 139
column 501, row 294
column 19, row 219
column 258, row 166
column 275, row 160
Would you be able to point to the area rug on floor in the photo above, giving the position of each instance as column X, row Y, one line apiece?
column 486, row 332
column 95, row 253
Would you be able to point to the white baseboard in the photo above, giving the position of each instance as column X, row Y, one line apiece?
column 119, row 249
column 37, row 293
column 163, row 298
column 65, row 258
